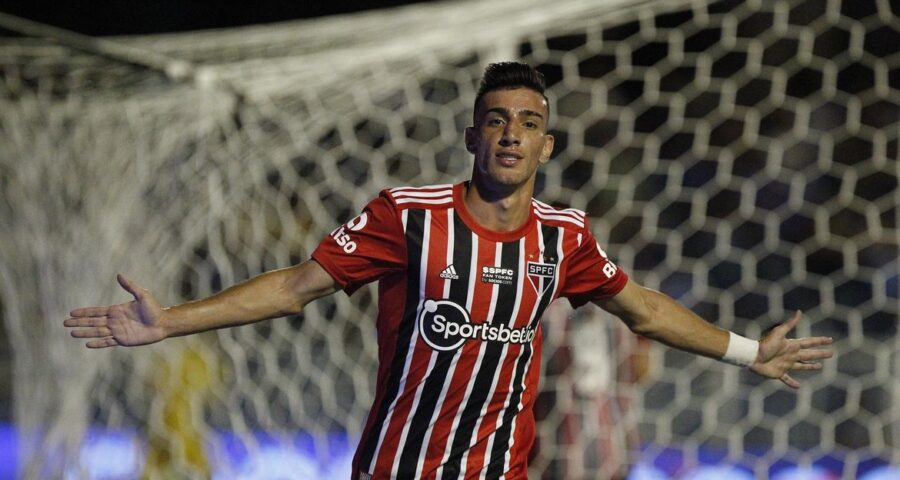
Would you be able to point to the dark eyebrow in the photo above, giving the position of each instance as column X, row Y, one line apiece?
column 505, row 112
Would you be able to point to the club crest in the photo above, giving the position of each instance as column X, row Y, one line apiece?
column 541, row 275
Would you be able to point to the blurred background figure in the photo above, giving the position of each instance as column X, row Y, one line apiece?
column 590, row 422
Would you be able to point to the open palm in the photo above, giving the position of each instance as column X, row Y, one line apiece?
column 778, row 355
column 137, row 322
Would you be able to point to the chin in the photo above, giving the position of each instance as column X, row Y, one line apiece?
column 504, row 177
column 508, row 180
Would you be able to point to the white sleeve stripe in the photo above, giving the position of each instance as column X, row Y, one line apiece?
column 421, row 189
column 548, row 208
column 560, row 214
column 433, row 201
column 440, row 193
column 560, row 218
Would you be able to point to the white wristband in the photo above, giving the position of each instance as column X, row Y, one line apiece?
column 741, row 350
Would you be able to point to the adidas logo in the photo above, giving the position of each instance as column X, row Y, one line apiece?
column 449, row 273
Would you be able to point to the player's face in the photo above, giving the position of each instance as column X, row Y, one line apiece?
column 510, row 137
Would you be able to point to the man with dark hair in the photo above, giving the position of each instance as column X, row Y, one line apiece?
column 465, row 272
column 507, row 76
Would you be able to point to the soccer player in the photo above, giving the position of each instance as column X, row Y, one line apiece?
column 464, row 273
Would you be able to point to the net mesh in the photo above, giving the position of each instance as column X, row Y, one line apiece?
column 739, row 156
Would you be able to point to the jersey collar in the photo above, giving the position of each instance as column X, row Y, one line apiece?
column 493, row 235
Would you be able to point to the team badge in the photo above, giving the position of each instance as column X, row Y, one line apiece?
column 540, row 274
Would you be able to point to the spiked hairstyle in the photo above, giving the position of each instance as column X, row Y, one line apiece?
column 508, row 76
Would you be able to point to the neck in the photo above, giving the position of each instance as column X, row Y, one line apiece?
column 497, row 209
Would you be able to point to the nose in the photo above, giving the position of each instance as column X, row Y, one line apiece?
column 510, row 135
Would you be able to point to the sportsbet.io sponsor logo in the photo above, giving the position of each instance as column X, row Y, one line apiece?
column 444, row 326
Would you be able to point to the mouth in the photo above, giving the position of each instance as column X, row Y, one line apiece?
column 508, row 158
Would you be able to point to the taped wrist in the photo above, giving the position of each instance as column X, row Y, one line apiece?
column 741, row 350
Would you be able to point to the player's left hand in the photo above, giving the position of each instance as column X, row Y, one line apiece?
column 778, row 355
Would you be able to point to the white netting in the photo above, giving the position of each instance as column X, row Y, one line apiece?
column 740, row 156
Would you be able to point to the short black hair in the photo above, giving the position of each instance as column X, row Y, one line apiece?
column 509, row 76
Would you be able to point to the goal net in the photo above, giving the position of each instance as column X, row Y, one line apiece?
column 741, row 157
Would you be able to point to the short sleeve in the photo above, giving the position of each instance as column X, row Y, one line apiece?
column 591, row 275
column 365, row 248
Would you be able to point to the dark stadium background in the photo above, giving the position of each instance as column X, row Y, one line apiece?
column 146, row 17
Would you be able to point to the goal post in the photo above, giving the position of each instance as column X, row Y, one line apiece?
column 741, row 157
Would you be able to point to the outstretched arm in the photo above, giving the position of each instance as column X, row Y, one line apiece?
column 657, row 316
column 143, row 321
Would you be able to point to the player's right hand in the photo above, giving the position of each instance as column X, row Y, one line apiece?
column 138, row 322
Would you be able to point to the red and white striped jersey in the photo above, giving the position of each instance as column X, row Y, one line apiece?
column 459, row 336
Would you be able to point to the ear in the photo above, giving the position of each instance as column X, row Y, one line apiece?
column 470, row 138
column 547, row 151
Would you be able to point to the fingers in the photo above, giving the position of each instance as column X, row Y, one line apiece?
column 130, row 287
column 97, row 332
column 89, row 312
column 102, row 343
column 97, row 327
column 812, row 342
column 806, row 366
column 790, row 324
column 85, row 322
column 811, row 355
column 789, row 381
